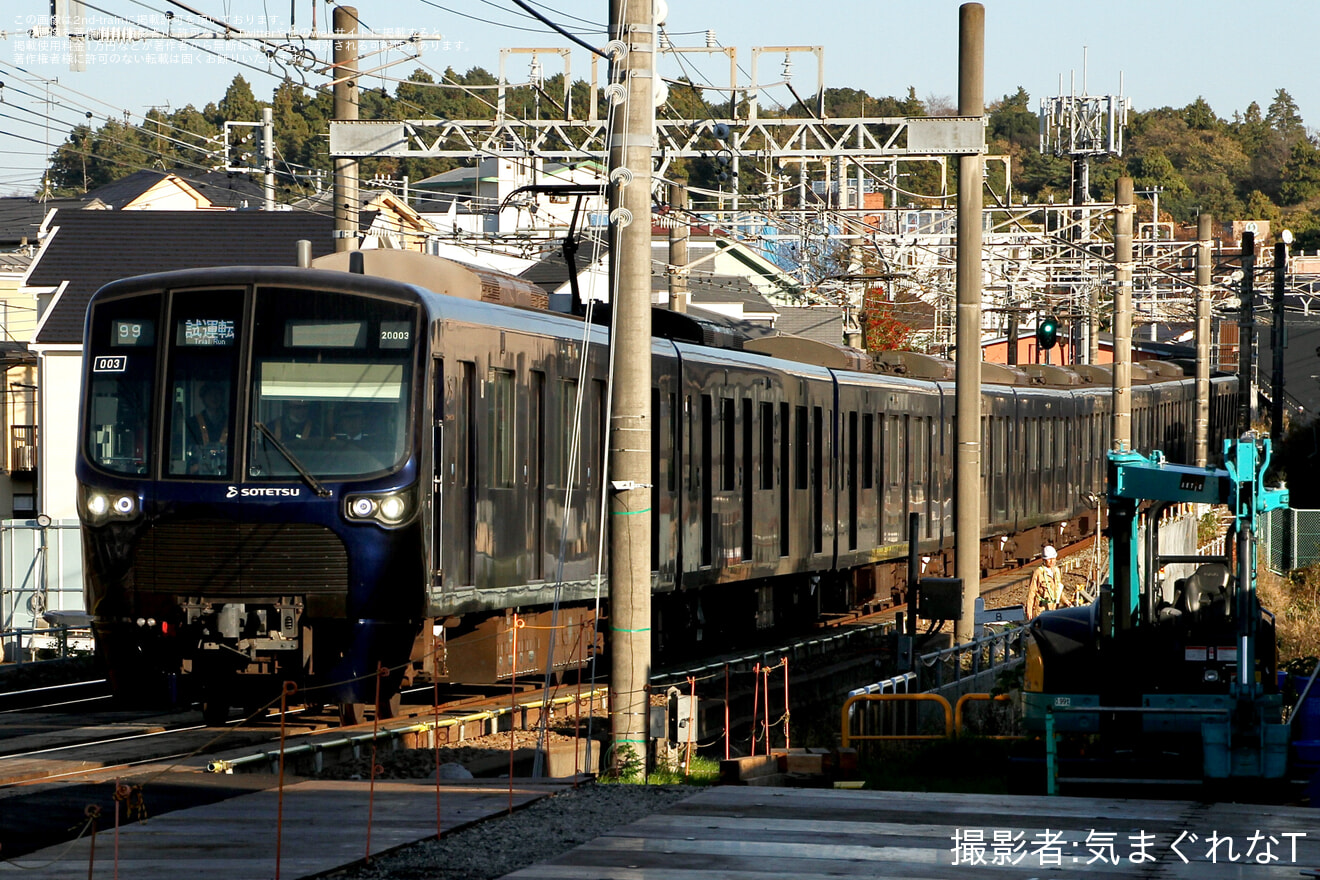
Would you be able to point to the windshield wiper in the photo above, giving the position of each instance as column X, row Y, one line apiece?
column 316, row 485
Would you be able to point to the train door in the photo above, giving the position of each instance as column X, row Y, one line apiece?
column 785, row 521
column 534, row 474
column 850, row 478
column 747, row 479
column 462, row 456
column 438, row 466
column 705, row 481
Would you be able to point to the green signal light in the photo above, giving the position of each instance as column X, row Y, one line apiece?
column 1047, row 333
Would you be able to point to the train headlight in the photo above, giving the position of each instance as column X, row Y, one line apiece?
column 389, row 509
column 393, row 508
column 98, row 505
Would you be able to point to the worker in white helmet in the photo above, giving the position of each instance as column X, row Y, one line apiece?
column 1046, row 590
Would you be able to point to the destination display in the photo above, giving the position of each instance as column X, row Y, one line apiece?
column 209, row 332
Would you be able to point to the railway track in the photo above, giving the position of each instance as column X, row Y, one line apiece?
column 74, row 696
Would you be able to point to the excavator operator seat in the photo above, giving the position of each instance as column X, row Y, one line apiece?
column 1205, row 591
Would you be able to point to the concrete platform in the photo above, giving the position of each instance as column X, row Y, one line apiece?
column 325, row 827
column 810, row 834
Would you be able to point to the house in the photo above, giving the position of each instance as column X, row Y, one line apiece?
column 83, row 250
column 384, row 219
column 18, row 442
column 150, row 190
column 474, row 199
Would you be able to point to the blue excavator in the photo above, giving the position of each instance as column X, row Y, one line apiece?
column 1178, row 677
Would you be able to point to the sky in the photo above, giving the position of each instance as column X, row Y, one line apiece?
column 1163, row 52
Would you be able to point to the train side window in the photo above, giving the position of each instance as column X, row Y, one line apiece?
column 918, row 448
column 500, row 414
column 767, row 445
column 675, row 438
column 868, row 451
column 800, row 448
column 568, row 424
column 593, row 463
column 728, row 431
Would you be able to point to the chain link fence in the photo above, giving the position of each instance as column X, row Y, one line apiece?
column 1292, row 539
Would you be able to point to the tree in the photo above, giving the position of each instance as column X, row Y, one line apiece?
column 1284, row 117
column 1300, row 179
column 1200, row 117
column 881, row 331
column 1012, row 121
column 238, row 104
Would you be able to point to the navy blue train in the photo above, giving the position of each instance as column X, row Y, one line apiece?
column 299, row 474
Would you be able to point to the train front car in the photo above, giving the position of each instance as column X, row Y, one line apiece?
column 247, row 480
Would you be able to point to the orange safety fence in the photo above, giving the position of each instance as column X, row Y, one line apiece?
column 849, row 737
column 966, row 698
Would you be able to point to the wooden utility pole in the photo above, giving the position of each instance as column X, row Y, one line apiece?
column 967, row 462
column 1204, row 226
column 346, row 108
column 631, row 138
column 1122, row 417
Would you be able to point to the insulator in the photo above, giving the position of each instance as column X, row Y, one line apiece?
column 621, row 217
column 711, row 42
column 788, row 66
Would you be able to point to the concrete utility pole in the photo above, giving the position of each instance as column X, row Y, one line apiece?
column 1247, row 336
column 631, row 140
column 967, row 520
column 268, row 157
column 678, row 253
column 1125, row 210
column 346, row 108
column 1204, row 226
column 1278, row 341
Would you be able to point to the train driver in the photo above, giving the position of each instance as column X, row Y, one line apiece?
column 295, row 423
column 350, row 425
column 1046, row 590
column 209, row 430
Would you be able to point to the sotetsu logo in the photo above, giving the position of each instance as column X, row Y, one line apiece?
column 264, row 492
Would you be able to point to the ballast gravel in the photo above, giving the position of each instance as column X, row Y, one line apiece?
column 542, row 830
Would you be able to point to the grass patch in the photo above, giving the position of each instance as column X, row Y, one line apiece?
column 702, row 771
column 1295, row 601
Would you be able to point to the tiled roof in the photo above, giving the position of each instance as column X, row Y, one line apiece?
column 92, row 248
column 824, row 324
column 222, row 189
column 21, row 216
column 720, row 289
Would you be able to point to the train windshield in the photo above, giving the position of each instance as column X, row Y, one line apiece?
column 122, row 349
column 330, row 385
